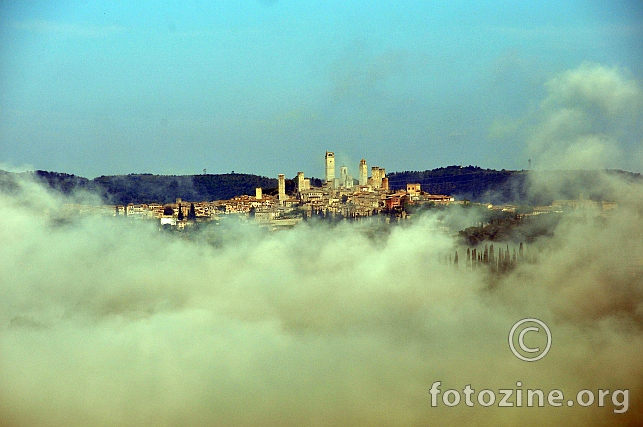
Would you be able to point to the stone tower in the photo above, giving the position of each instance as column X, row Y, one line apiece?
column 282, row 187
column 363, row 172
column 300, row 181
column 343, row 176
column 330, row 166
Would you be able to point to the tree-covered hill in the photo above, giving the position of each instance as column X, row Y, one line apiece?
column 470, row 182
column 145, row 188
column 498, row 187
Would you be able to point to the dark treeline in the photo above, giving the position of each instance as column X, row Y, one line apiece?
column 471, row 183
column 144, row 188
column 498, row 187
column 148, row 188
column 510, row 228
column 499, row 259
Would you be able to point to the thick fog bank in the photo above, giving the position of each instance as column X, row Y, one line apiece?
column 108, row 323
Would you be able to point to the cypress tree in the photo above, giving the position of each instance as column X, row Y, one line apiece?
column 500, row 260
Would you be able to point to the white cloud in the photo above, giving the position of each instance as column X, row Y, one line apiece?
column 586, row 119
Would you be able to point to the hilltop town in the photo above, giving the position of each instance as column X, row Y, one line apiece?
column 339, row 197
column 336, row 197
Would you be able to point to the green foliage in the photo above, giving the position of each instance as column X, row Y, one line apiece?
column 511, row 229
column 192, row 213
column 146, row 188
column 499, row 187
column 470, row 182
column 63, row 182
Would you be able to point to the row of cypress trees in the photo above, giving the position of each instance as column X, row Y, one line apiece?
column 502, row 260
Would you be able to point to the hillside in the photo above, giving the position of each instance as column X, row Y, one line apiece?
column 145, row 188
column 488, row 185
column 470, row 182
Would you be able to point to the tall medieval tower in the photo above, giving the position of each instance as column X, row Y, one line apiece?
column 330, row 166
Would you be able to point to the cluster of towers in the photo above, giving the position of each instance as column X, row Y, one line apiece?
column 377, row 180
column 378, row 175
column 302, row 183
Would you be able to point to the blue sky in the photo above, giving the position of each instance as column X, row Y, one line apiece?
column 266, row 87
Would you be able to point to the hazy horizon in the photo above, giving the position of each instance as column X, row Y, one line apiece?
column 23, row 169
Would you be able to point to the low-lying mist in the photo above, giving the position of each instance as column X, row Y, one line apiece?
column 107, row 322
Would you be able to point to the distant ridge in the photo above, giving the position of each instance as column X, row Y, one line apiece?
column 149, row 188
column 470, row 182
column 506, row 186
column 146, row 188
